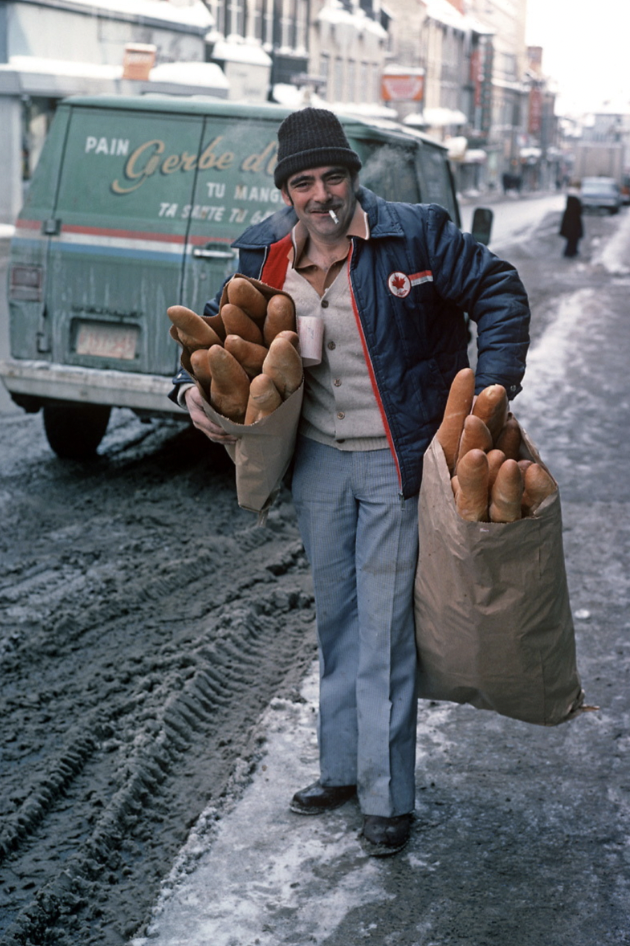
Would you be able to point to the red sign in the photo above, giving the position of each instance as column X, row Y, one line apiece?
column 535, row 110
column 402, row 88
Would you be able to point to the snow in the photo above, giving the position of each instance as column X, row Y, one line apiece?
column 188, row 12
column 335, row 14
column 61, row 67
column 269, row 873
column 251, row 53
column 197, row 73
column 614, row 255
column 444, row 116
column 191, row 73
column 444, row 12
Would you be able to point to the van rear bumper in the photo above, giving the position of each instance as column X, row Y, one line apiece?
column 46, row 380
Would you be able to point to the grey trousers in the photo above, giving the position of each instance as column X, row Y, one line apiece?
column 362, row 544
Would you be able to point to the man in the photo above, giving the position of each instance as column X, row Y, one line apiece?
column 390, row 282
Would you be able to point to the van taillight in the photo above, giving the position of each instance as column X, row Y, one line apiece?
column 26, row 283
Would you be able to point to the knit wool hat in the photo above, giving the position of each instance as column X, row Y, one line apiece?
column 312, row 138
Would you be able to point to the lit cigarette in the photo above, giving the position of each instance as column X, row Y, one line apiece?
column 335, row 218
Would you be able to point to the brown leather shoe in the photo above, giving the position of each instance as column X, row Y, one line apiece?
column 384, row 836
column 317, row 798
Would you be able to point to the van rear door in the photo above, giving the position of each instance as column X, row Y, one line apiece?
column 234, row 188
column 118, row 236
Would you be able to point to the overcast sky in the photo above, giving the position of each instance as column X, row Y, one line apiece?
column 586, row 47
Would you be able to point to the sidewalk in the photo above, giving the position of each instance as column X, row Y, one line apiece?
column 522, row 833
column 490, row 197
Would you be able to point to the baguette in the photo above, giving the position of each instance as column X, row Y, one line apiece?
column 237, row 322
column 293, row 337
column 216, row 322
column 201, row 368
column 492, row 407
column 248, row 354
column 284, row 366
column 495, row 460
column 264, row 398
column 538, row 485
column 229, row 388
column 280, row 317
column 192, row 331
column 472, row 478
column 458, row 406
column 242, row 293
column 507, row 493
column 509, row 438
column 475, row 436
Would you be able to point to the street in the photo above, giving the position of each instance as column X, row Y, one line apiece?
column 159, row 687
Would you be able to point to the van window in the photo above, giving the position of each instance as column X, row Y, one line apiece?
column 390, row 171
column 437, row 186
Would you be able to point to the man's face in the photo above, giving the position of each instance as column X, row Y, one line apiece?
column 315, row 192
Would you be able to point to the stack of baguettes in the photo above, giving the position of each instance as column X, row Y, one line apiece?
column 482, row 444
column 246, row 358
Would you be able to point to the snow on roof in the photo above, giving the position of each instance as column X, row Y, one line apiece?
column 444, row 12
column 333, row 12
column 61, row 67
column 230, row 50
column 190, row 73
column 188, row 12
column 204, row 74
column 443, row 116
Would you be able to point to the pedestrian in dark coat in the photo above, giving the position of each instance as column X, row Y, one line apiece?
column 571, row 227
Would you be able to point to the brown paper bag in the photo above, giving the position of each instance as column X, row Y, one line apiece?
column 262, row 453
column 493, row 619
column 264, row 450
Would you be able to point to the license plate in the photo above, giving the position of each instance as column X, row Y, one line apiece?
column 107, row 341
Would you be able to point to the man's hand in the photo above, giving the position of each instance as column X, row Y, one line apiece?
column 202, row 422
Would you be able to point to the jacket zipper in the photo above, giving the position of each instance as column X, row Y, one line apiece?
column 370, row 368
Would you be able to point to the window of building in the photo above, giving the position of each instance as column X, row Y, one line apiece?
column 217, row 8
column 301, row 25
column 352, row 81
column 235, row 17
column 324, row 71
column 338, row 80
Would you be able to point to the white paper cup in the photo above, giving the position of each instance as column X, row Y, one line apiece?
column 311, row 335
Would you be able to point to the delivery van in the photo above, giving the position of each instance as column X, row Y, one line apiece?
column 132, row 208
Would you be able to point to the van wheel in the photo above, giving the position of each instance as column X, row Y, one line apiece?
column 74, row 431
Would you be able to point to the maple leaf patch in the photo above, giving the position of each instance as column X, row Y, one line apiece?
column 399, row 285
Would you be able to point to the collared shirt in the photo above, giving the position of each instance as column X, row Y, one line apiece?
column 339, row 408
column 319, row 278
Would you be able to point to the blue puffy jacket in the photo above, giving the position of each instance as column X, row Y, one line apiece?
column 411, row 282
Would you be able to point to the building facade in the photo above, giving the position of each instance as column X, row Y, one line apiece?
column 50, row 49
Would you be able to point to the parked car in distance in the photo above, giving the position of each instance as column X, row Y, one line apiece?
column 600, row 193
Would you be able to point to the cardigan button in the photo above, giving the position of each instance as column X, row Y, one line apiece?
column 325, row 303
